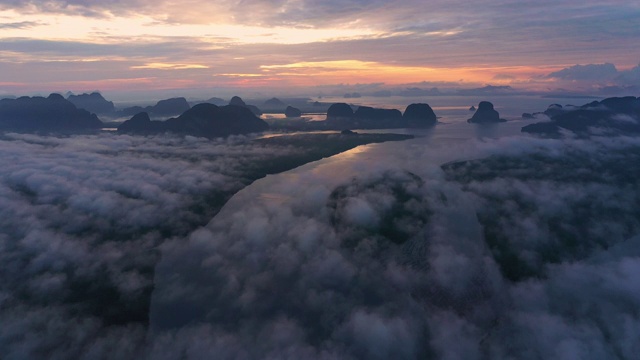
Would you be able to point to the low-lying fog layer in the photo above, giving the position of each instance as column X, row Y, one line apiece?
column 530, row 250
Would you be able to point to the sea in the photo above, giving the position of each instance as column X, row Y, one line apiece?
column 456, row 108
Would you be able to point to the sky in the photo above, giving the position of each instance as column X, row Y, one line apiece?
column 252, row 47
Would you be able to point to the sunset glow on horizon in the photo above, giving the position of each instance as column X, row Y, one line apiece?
column 298, row 45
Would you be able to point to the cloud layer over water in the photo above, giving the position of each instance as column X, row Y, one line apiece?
column 315, row 276
column 81, row 219
column 386, row 255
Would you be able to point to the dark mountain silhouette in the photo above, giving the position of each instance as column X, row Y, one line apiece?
column 366, row 112
column 616, row 115
column 216, row 101
column 171, row 107
column 339, row 110
column 237, row 101
column 162, row 108
column 419, row 115
column 93, row 102
column 553, row 110
column 340, row 116
column 290, row 111
column 132, row 110
column 51, row 114
column 204, row 120
column 254, row 109
column 485, row 114
column 139, row 124
column 274, row 103
column 377, row 118
column 625, row 105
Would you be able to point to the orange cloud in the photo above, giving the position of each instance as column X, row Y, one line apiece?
column 166, row 66
column 353, row 71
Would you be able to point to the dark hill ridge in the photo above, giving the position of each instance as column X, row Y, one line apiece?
column 216, row 101
column 291, row 111
column 237, row 101
column 51, row 114
column 93, row 102
column 171, row 106
column 140, row 124
column 419, row 115
column 341, row 116
column 366, row 112
column 203, row 120
column 274, row 103
column 339, row 110
column 167, row 107
column 616, row 115
column 485, row 114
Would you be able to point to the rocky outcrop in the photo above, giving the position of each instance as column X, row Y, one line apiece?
column 138, row 124
column 485, row 114
column 554, row 110
column 340, row 116
column 625, row 105
column 274, row 103
column 163, row 108
column 237, row 101
column 419, row 115
column 369, row 113
column 216, row 101
column 170, row 107
column 255, row 110
column 203, row 120
column 617, row 115
column 339, row 110
column 51, row 114
column 290, row 111
column 93, row 102
column 133, row 110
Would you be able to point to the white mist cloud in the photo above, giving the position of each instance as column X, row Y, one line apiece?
column 348, row 292
column 605, row 76
column 351, row 282
column 600, row 72
column 380, row 254
column 81, row 221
